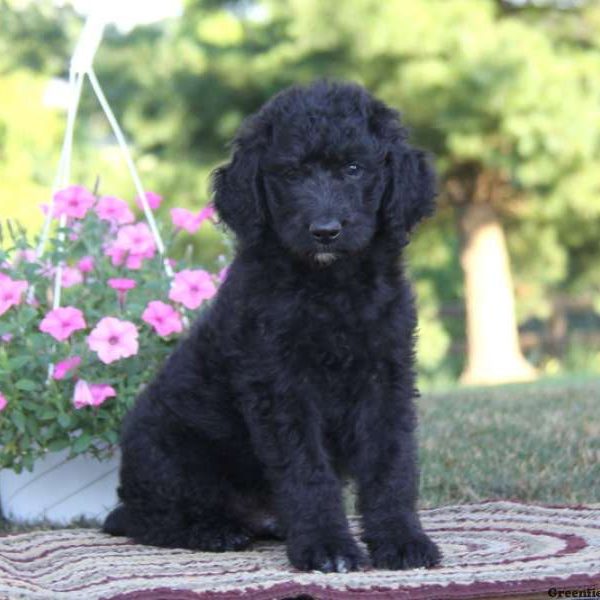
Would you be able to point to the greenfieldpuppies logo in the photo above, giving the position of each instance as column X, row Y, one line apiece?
column 591, row 592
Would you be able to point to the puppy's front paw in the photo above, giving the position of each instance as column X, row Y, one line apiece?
column 325, row 553
column 410, row 552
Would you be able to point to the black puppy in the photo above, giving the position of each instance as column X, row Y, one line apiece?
column 301, row 372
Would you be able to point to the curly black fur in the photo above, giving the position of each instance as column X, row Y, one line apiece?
column 301, row 372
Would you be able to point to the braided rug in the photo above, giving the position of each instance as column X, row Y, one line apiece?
column 490, row 549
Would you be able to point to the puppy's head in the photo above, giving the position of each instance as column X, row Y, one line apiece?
column 324, row 168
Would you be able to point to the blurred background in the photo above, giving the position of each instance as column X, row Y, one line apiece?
column 504, row 93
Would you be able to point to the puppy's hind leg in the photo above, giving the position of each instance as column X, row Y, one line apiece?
column 189, row 523
column 256, row 511
column 116, row 521
column 170, row 504
column 216, row 532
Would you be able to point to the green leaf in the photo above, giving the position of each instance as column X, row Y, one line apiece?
column 48, row 414
column 111, row 436
column 82, row 443
column 19, row 421
column 7, row 435
column 30, row 405
column 18, row 361
column 39, row 340
column 28, row 313
column 26, row 385
column 33, row 428
column 28, row 461
column 64, row 420
column 5, row 328
column 59, row 444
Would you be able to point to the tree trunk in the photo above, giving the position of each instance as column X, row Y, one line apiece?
column 493, row 352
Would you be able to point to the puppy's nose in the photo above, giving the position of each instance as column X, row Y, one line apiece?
column 325, row 232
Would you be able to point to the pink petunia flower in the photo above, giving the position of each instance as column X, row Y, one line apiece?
column 134, row 261
column 3, row 402
column 163, row 317
column 86, row 264
column 208, row 212
column 117, row 255
column 70, row 276
column 29, row 256
column 134, row 243
column 113, row 339
column 100, row 392
column 185, row 219
column 154, row 200
column 136, row 239
column 61, row 322
column 114, row 210
column 192, row 287
column 122, row 286
column 7, row 337
column 11, row 292
column 62, row 368
column 73, row 201
column 91, row 394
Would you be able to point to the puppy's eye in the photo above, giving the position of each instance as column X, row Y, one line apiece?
column 353, row 170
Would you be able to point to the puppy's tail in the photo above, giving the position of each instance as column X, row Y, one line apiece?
column 116, row 522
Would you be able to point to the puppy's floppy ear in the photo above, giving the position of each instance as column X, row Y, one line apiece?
column 238, row 193
column 411, row 189
column 411, row 182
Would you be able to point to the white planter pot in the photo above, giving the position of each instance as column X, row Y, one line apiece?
column 60, row 490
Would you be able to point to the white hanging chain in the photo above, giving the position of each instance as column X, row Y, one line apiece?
column 81, row 62
column 60, row 181
column 63, row 176
column 81, row 65
column 132, row 170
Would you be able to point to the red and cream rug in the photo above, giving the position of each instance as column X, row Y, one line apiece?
column 490, row 549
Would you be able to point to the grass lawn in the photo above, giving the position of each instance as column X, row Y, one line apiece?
column 536, row 442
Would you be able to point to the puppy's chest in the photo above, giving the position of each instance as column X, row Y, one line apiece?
column 329, row 340
column 330, row 350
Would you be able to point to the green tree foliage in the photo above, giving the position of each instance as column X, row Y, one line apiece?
column 36, row 36
column 26, row 155
column 505, row 93
column 35, row 41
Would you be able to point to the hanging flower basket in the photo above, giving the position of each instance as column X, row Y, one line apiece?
column 68, row 374
column 60, row 489
column 86, row 317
